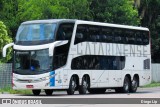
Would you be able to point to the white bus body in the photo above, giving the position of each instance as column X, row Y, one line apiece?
column 91, row 56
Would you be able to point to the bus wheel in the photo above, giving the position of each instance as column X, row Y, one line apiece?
column 48, row 92
column 84, row 87
column 72, row 86
column 134, row 85
column 36, row 92
column 126, row 85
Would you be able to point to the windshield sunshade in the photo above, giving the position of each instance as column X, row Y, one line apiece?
column 36, row 32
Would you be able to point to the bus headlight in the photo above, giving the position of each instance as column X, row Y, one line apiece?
column 45, row 78
column 48, row 77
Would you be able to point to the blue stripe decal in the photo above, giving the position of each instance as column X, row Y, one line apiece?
column 52, row 80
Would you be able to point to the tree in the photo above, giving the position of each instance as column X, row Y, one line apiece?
column 8, row 14
column 77, row 9
column 148, row 11
column 52, row 9
column 149, row 15
column 4, row 39
column 115, row 11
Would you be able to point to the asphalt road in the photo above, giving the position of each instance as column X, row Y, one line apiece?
column 141, row 93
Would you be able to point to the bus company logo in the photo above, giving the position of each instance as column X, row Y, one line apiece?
column 6, row 101
column 128, row 50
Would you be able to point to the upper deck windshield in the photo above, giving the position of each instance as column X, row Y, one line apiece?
column 35, row 33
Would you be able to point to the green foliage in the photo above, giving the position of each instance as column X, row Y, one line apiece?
column 11, row 91
column 13, row 12
column 153, row 84
column 115, row 11
column 8, row 14
column 4, row 39
column 149, row 14
column 77, row 9
column 52, row 9
column 148, row 11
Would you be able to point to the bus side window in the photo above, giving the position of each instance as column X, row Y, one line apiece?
column 116, row 62
column 138, row 38
column 92, row 62
column 145, row 36
column 65, row 31
column 61, row 52
column 79, row 37
column 122, row 62
column 77, row 63
column 122, row 35
column 81, row 34
column 103, row 62
column 97, row 62
column 94, row 33
column 110, row 62
column 130, row 36
column 107, row 35
column 118, row 36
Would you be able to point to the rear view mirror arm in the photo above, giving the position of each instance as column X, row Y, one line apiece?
column 5, row 49
column 55, row 44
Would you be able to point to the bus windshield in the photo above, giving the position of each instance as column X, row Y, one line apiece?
column 36, row 32
column 32, row 62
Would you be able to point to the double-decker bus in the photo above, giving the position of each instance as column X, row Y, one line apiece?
column 66, row 54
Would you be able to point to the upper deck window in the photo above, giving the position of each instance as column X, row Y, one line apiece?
column 36, row 32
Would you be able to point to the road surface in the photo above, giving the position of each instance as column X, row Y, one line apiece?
column 141, row 93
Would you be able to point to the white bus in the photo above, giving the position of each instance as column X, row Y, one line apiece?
column 65, row 54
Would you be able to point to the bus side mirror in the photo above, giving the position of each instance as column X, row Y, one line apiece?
column 5, row 49
column 55, row 44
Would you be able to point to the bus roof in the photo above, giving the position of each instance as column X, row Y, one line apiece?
column 86, row 22
column 49, row 21
column 112, row 25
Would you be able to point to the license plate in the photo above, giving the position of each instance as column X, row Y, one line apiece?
column 29, row 86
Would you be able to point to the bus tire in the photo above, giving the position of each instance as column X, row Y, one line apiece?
column 126, row 85
column 48, row 92
column 36, row 92
column 134, row 85
column 85, row 85
column 72, row 86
